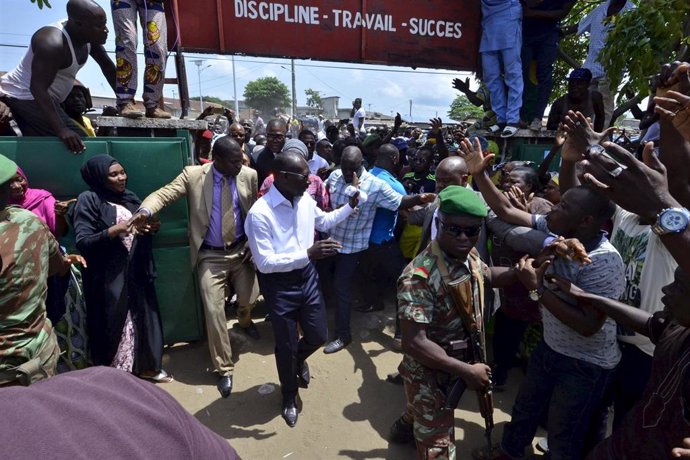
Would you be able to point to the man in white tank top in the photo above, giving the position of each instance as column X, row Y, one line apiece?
column 45, row 76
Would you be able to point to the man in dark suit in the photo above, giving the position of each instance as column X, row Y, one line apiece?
column 276, row 130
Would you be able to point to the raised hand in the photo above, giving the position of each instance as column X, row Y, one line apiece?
column 463, row 86
column 675, row 107
column 580, row 135
column 518, row 199
column 476, row 162
column 641, row 188
column 436, row 125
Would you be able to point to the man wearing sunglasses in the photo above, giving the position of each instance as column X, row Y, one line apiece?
column 435, row 335
column 276, row 130
column 280, row 228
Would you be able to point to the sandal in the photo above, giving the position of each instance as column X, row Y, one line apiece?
column 494, row 129
column 161, row 377
column 509, row 131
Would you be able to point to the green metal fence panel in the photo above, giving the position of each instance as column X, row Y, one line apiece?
column 150, row 163
column 537, row 153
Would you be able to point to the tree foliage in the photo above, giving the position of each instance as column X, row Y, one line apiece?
column 216, row 100
column 643, row 39
column 313, row 99
column 266, row 94
column 640, row 42
column 461, row 109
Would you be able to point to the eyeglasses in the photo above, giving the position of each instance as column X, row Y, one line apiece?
column 275, row 136
column 455, row 231
column 304, row 178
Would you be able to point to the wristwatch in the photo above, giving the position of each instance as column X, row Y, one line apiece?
column 535, row 294
column 671, row 220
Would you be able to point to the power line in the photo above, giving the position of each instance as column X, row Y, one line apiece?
column 317, row 66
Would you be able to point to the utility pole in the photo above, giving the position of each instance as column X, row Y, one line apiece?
column 234, row 88
column 294, row 94
column 199, row 63
column 410, row 109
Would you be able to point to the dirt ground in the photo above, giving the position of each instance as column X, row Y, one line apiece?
column 346, row 411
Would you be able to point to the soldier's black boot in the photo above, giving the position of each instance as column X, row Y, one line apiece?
column 402, row 431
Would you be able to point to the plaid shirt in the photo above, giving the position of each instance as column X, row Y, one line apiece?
column 354, row 232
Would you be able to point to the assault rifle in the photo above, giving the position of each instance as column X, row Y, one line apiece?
column 457, row 386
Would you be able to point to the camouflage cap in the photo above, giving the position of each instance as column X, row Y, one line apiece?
column 8, row 169
column 456, row 199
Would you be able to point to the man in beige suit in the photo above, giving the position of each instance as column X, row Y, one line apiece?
column 219, row 195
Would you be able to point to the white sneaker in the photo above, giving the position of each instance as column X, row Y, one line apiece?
column 535, row 125
column 494, row 129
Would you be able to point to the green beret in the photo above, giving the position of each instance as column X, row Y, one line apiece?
column 455, row 199
column 371, row 139
column 8, row 169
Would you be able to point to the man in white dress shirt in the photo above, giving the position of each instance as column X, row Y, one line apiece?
column 280, row 228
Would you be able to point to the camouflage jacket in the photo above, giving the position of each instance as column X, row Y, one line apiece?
column 422, row 298
column 26, row 249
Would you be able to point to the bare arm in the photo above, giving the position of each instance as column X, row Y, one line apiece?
column 584, row 321
column 675, row 156
column 625, row 315
column 48, row 60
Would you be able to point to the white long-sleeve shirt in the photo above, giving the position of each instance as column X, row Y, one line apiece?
column 279, row 233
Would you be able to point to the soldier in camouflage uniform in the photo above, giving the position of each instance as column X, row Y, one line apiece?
column 430, row 321
column 28, row 255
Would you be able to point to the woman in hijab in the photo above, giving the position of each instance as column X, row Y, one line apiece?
column 40, row 202
column 123, row 319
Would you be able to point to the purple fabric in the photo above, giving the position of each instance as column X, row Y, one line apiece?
column 101, row 412
column 214, row 235
column 40, row 202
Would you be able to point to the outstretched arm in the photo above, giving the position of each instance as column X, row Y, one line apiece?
column 477, row 164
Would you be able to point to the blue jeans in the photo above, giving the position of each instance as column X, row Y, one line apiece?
column 503, row 76
column 345, row 266
column 543, row 49
column 570, row 389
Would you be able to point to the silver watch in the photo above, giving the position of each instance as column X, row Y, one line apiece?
column 671, row 220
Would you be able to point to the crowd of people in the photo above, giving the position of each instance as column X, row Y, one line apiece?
column 580, row 275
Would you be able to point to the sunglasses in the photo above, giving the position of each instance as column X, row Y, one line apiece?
column 455, row 231
column 302, row 177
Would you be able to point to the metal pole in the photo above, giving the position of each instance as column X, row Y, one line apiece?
column 198, row 63
column 294, row 94
column 234, row 88
column 410, row 109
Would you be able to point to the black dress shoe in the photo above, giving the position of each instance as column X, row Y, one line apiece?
column 336, row 345
column 251, row 330
column 303, row 375
column 289, row 412
column 225, row 385
column 369, row 308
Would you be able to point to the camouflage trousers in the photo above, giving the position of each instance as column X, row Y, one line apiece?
column 434, row 431
column 42, row 366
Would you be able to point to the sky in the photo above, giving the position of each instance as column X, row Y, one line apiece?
column 383, row 89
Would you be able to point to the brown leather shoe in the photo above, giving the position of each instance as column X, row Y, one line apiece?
column 129, row 110
column 156, row 112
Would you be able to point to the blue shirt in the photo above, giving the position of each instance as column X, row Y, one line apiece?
column 501, row 25
column 214, row 234
column 384, row 219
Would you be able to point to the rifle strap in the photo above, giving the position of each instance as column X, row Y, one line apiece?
column 473, row 321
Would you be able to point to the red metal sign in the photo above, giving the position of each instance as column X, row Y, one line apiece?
column 411, row 33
